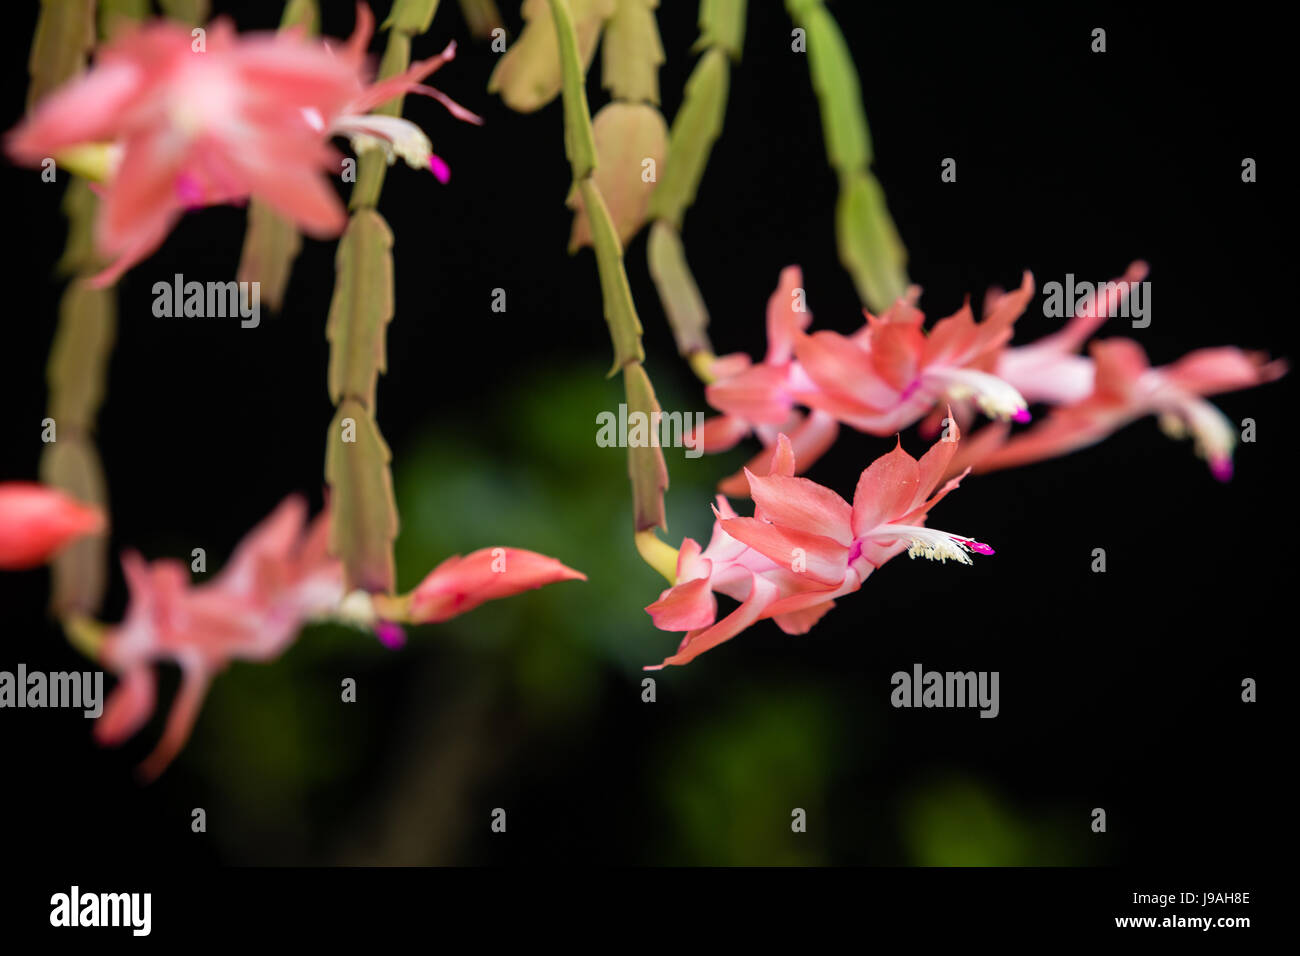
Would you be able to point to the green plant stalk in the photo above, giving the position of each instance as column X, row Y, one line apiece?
column 77, row 369
column 646, row 468
column 696, row 126
column 364, row 520
column 481, row 16
column 869, row 244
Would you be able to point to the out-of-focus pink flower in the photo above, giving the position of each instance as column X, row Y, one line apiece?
column 1095, row 395
column 36, row 521
column 1119, row 386
column 280, row 577
column 243, row 116
column 759, row 399
column 805, row 546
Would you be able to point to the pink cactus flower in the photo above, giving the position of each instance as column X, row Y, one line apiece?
column 1117, row 386
column 890, row 373
column 883, row 378
column 36, row 521
column 806, row 546
column 185, row 125
column 280, row 577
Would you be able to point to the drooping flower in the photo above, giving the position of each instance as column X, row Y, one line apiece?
column 1118, row 386
column 1092, row 396
column 36, row 521
column 183, row 125
column 806, row 546
column 883, row 378
column 890, row 373
column 280, row 577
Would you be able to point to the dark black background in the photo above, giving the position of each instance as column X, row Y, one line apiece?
column 1118, row 690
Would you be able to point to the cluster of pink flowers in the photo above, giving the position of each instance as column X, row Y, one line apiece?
column 805, row 545
column 180, row 124
column 892, row 373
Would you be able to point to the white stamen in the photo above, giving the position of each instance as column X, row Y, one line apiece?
column 995, row 397
column 395, row 136
column 929, row 543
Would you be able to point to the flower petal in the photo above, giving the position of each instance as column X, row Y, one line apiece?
column 885, row 490
column 462, row 584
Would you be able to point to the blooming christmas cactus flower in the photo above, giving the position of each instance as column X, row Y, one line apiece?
column 806, row 546
column 181, row 124
column 280, row 577
column 890, row 373
column 1096, row 395
column 36, row 521
column 883, row 378
column 1118, row 386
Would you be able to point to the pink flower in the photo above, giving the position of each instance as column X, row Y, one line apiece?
column 883, row 378
column 36, row 521
column 1117, row 386
column 805, row 546
column 280, row 577
column 890, row 373
column 1094, row 396
column 243, row 116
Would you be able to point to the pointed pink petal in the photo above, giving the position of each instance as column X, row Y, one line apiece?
column 934, row 463
column 950, row 337
column 180, row 721
column 783, row 322
column 685, row 607
column 996, row 329
column 1214, row 370
column 128, row 707
column 885, row 490
column 803, row 505
column 761, row 594
column 896, row 351
column 88, row 109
